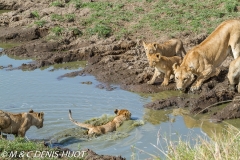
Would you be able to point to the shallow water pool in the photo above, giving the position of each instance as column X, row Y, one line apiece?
column 41, row 90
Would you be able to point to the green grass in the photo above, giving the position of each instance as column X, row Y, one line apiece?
column 161, row 16
column 20, row 148
column 128, row 17
column 40, row 23
column 57, row 30
column 57, row 4
column 69, row 17
column 35, row 14
column 57, row 17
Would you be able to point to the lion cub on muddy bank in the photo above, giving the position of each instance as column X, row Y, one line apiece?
column 164, row 65
column 121, row 116
column 169, row 48
column 234, row 74
column 19, row 123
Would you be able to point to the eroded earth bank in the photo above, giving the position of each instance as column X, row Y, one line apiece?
column 111, row 60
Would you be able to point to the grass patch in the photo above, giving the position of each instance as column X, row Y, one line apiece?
column 69, row 17
column 57, row 30
column 168, row 17
column 224, row 145
column 57, row 17
column 101, row 30
column 40, row 23
column 57, row 4
column 20, row 148
column 35, row 14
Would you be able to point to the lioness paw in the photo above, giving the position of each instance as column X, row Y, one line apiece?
column 195, row 88
column 164, row 84
column 150, row 82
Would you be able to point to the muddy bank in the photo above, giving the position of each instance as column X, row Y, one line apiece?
column 214, row 92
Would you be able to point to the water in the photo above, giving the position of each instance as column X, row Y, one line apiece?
column 41, row 90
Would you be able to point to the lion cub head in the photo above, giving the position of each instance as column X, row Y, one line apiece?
column 183, row 76
column 150, row 48
column 153, row 59
column 123, row 112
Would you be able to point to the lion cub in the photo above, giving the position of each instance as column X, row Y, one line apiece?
column 169, row 48
column 164, row 65
column 121, row 116
column 234, row 74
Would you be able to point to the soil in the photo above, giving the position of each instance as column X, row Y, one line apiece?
column 111, row 60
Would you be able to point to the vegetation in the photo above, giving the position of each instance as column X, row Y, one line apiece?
column 57, row 30
column 35, row 14
column 40, row 23
column 20, row 148
column 140, row 17
column 57, row 4
column 222, row 146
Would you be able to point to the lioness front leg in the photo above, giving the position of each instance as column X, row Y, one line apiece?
column 156, row 74
column 206, row 74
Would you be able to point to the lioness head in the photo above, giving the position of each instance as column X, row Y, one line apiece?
column 150, row 48
column 183, row 76
column 123, row 112
column 37, row 118
column 153, row 59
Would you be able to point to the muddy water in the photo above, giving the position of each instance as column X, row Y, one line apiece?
column 41, row 90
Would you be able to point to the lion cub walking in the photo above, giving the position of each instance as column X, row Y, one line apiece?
column 234, row 74
column 169, row 48
column 164, row 65
column 121, row 116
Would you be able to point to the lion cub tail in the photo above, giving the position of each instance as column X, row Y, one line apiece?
column 78, row 123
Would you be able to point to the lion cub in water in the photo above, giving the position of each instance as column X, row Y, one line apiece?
column 164, row 65
column 234, row 74
column 121, row 116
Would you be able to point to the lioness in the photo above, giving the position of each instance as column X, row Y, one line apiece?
column 169, row 48
column 234, row 74
column 19, row 123
column 121, row 116
column 204, row 59
column 164, row 65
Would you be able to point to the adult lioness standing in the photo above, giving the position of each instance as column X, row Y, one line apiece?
column 204, row 59
column 19, row 123
column 172, row 47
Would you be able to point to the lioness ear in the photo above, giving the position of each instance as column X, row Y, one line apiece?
column 175, row 67
column 30, row 111
column 39, row 115
column 155, row 46
column 116, row 111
